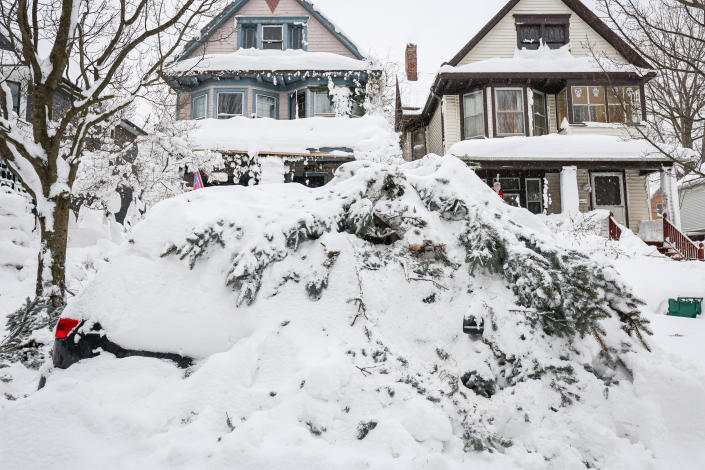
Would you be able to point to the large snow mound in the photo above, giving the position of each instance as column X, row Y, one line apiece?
column 245, row 60
column 327, row 327
column 369, row 137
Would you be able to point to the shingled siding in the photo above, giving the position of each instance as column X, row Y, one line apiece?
column 637, row 199
column 452, row 120
column 502, row 40
column 320, row 39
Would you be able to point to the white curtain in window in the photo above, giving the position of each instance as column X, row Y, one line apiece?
column 322, row 103
column 510, row 111
column 266, row 107
column 229, row 105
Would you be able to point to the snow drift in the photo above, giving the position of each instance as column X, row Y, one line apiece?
column 326, row 324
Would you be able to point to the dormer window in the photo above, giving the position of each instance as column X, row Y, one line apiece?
column 534, row 30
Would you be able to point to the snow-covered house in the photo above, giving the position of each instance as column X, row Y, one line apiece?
column 276, row 60
column 541, row 100
column 692, row 200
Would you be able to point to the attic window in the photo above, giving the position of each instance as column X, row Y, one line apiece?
column 272, row 37
column 534, row 30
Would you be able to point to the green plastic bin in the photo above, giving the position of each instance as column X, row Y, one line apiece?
column 688, row 307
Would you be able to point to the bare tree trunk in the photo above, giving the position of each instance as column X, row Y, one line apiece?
column 51, row 272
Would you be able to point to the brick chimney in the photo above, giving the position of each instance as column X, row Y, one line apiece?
column 412, row 73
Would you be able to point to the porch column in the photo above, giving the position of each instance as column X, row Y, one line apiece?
column 669, row 192
column 570, row 203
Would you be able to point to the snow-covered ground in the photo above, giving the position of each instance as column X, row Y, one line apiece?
column 294, row 382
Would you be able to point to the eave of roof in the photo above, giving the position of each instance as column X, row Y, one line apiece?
column 583, row 12
column 234, row 7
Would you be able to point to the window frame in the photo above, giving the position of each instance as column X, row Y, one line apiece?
column 590, row 105
column 542, row 21
column 221, row 91
column 522, row 93
column 314, row 94
column 526, row 194
column 243, row 29
column 196, row 96
column 465, row 116
column 265, row 94
column 270, row 41
column 15, row 106
column 291, row 30
column 545, row 111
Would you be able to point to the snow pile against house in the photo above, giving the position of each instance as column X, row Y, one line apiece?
column 542, row 60
column 368, row 138
column 326, row 324
column 585, row 147
column 246, row 60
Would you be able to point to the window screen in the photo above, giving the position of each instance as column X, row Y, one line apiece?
column 272, row 37
column 474, row 119
column 229, row 105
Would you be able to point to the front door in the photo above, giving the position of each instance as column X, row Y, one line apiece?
column 608, row 194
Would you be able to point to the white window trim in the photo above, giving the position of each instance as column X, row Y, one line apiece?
column 269, row 41
column 526, row 193
column 217, row 104
column 482, row 107
column 261, row 95
column 496, row 110
column 205, row 105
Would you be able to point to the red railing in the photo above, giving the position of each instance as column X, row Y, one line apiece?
column 614, row 230
column 680, row 242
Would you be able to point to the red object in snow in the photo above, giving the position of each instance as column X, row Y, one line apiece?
column 65, row 326
column 197, row 181
column 497, row 187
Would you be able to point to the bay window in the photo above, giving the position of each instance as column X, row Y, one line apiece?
column 230, row 104
column 272, row 37
column 589, row 104
column 540, row 114
column 510, row 114
column 474, row 115
column 265, row 106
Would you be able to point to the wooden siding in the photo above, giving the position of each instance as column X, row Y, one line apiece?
column 551, row 109
column 488, row 117
column 435, row 133
column 584, row 202
column 637, row 198
column 502, row 41
column 554, row 193
column 320, row 39
column 693, row 209
column 452, row 120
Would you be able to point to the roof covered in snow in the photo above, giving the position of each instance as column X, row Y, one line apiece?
column 415, row 93
column 247, row 60
column 543, row 60
column 365, row 137
column 557, row 147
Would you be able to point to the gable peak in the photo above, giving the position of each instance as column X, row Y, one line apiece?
column 272, row 4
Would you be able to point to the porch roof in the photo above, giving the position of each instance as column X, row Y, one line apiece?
column 559, row 148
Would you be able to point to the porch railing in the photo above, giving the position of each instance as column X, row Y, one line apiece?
column 614, row 231
column 680, row 242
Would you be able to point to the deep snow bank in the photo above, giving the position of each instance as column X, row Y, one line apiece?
column 327, row 324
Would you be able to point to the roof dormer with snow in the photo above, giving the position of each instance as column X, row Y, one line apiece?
column 267, row 58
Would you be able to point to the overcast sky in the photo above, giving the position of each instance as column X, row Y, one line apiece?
column 439, row 27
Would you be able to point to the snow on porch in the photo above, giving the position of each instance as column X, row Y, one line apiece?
column 557, row 147
column 369, row 138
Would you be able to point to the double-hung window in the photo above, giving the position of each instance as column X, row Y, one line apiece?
column 474, row 114
column 15, row 93
column 322, row 104
column 265, row 106
column 539, row 113
column 249, row 36
column 509, row 108
column 199, row 105
column 589, row 104
column 296, row 37
column 272, row 37
column 230, row 104
column 533, row 30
